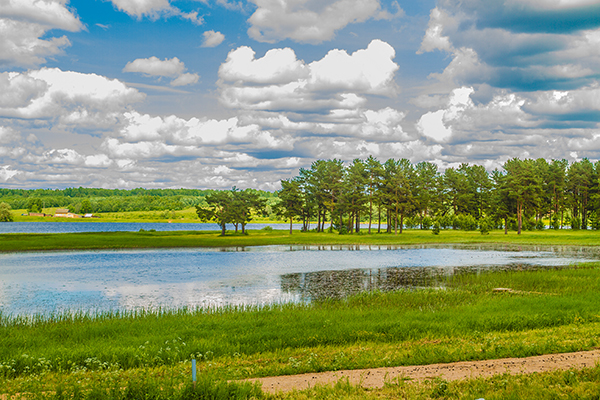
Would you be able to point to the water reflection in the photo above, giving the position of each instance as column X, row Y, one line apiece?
column 323, row 285
column 89, row 281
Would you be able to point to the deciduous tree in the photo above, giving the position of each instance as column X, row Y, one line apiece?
column 5, row 214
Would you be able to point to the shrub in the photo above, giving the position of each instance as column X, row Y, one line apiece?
column 426, row 222
column 436, row 228
column 484, row 226
column 555, row 222
column 5, row 215
column 575, row 223
column 540, row 225
column 528, row 224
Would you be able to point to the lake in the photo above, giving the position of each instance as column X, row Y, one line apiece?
column 82, row 226
column 98, row 281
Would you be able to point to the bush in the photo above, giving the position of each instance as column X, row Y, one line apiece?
column 540, row 225
column 575, row 223
column 445, row 221
column 5, row 214
column 594, row 221
column 528, row 224
column 436, row 228
column 426, row 222
column 411, row 222
column 555, row 222
column 464, row 222
column 485, row 225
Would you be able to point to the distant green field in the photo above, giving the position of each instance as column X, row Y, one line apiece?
column 187, row 215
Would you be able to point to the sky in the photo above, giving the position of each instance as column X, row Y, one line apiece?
column 222, row 93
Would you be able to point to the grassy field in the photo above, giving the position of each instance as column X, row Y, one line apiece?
column 549, row 311
column 124, row 240
column 188, row 216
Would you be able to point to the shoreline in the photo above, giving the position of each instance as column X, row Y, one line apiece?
column 22, row 242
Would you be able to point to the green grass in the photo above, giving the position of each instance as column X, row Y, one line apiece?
column 124, row 240
column 205, row 388
column 571, row 384
column 550, row 311
column 188, row 216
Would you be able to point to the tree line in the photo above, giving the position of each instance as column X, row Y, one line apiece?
column 95, row 200
column 525, row 194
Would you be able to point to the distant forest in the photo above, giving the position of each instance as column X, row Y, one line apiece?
column 525, row 194
column 83, row 200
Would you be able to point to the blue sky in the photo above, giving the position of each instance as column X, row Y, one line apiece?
column 217, row 93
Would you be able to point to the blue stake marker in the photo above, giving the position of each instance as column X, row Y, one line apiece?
column 194, row 372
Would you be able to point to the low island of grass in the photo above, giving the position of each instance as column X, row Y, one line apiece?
column 186, row 239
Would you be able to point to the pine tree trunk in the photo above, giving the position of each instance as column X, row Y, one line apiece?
column 401, row 222
column 318, row 220
column 370, row 213
column 519, row 217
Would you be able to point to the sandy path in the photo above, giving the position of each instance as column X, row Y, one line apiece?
column 375, row 378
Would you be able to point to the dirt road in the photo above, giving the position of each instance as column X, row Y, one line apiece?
column 373, row 378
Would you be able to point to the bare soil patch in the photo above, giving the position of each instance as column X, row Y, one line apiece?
column 377, row 377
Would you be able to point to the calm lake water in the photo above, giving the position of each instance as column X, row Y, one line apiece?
column 73, row 227
column 91, row 281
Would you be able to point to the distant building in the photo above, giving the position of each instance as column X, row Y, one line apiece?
column 61, row 213
column 39, row 215
column 65, row 213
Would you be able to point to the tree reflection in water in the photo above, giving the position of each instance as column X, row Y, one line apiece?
column 322, row 285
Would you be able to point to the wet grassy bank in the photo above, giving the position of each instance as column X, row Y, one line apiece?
column 547, row 311
column 187, row 239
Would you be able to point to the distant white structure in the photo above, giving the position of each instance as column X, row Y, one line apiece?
column 65, row 213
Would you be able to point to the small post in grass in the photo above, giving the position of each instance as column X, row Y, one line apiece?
column 194, row 372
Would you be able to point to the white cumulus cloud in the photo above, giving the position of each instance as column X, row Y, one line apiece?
column 276, row 66
column 70, row 97
column 6, row 173
column 170, row 68
column 212, row 39
column 434, row 124
column 23, row 28
column 154, row 9
column 139, row 8
column 278, row 81
column 307, row 21
column 154, row 66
